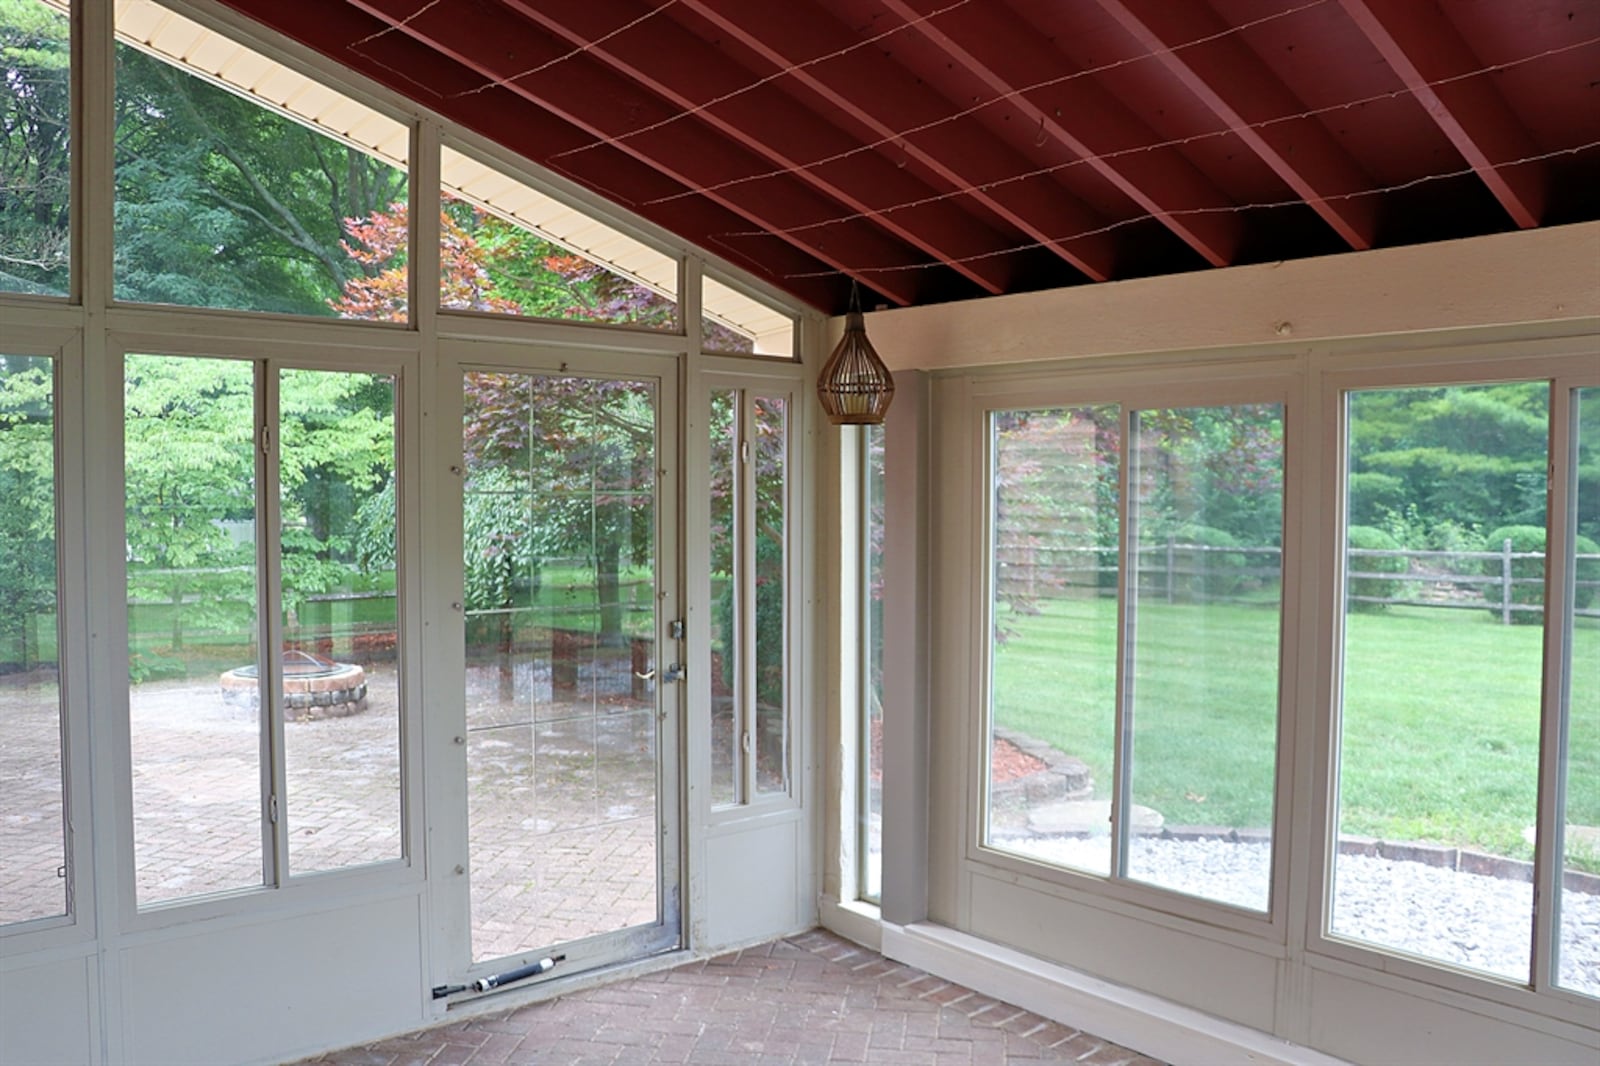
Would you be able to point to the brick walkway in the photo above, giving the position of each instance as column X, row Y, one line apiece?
column 813, row 998
column 561, row 798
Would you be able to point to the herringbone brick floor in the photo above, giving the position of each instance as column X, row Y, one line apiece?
column 814, row 998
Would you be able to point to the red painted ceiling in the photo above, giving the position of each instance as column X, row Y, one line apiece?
column 941, row 150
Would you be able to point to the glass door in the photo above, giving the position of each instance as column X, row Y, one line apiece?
column 571, row 646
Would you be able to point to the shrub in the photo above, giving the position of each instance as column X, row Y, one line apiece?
column 1530, row 593
column 769, row 621
column 1197, row 574
column 1369, row 538
column 1375, row 495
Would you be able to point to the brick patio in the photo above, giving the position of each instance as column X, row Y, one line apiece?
column 561, row 798
column 814, row 998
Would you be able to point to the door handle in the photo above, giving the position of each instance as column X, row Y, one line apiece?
column 675, row 672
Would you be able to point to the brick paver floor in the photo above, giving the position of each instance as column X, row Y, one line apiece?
column 813, row 998
column 561, row 785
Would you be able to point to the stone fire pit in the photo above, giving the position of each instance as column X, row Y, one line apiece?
column 314, row 686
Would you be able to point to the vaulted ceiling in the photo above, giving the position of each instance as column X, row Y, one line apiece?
column 940, row 150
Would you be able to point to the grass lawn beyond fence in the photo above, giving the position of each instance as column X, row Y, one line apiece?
column 1440, row 732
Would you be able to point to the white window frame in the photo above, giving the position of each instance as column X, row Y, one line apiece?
column 750, row 379
column 97, row 330
column 279, row 886
column 1555, row 361
column 64, row 347
column 1207, row 385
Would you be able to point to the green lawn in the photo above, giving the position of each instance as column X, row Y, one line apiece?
column 1441, row 714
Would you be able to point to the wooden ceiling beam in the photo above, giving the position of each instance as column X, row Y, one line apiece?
column 1236, row 86
column 852, row 83
column 1086, row 121
column 589, row 96
column 688, row 72
column 1423, row 48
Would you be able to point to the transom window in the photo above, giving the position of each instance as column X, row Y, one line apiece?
column 223, row 201
column 36, row 132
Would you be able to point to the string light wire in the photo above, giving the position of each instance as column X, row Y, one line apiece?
column 587, row 46
column 986, row 186
column 999, row 98
column 1182, row 212
column 689, row 112
column 1174, row 142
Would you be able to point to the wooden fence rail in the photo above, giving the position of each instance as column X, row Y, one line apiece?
column 1450, row 580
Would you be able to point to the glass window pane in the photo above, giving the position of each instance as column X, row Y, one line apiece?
column 1202, row 686
column 770, row 450
column 341, row 705
column 35, row 167
column 223, row 202
column 1053, row 651
column 1439, row 740
column 871, row 845
column 32, row 812
column 1578, row 954
column 194, row 701
column 508, row 248
column 736, row 324
column 726, row 683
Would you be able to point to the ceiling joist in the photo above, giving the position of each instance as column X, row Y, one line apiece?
column 1244, row 93
column 852, row 82
column 1434, row 62
column 693, row 76
column 1087, row 122
column 606, row 107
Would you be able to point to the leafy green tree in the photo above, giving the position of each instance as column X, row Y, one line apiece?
column 189, row 472
column 27, row 512
column 191, row 486
column 35, row 143
column 223, row 203
column 1432, row 464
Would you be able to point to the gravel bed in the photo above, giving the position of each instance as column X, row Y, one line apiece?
column 1463, row 919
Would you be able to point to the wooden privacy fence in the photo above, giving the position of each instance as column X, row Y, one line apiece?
column 1182, row 572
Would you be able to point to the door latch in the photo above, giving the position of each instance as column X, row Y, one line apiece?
column 675, row 672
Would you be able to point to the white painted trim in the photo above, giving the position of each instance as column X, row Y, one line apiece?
column 907, row 630
column 855, row 920
column 1549, row 276
column 1126, row 1016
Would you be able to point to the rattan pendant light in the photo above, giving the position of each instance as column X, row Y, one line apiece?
column 855, row 387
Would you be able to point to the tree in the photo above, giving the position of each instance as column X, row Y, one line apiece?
column 1438, row 467
column 585, row 446
column 223, row 203
column 192, row 500
column 35, row 141
column 27, row 511
column 189, row 471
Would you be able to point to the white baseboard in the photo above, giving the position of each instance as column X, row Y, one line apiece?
column 1148, row 1024
column 854, row 920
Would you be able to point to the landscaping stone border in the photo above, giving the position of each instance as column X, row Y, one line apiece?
column 1066, row 777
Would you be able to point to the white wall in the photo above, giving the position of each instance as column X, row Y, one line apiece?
column 1497, row 285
